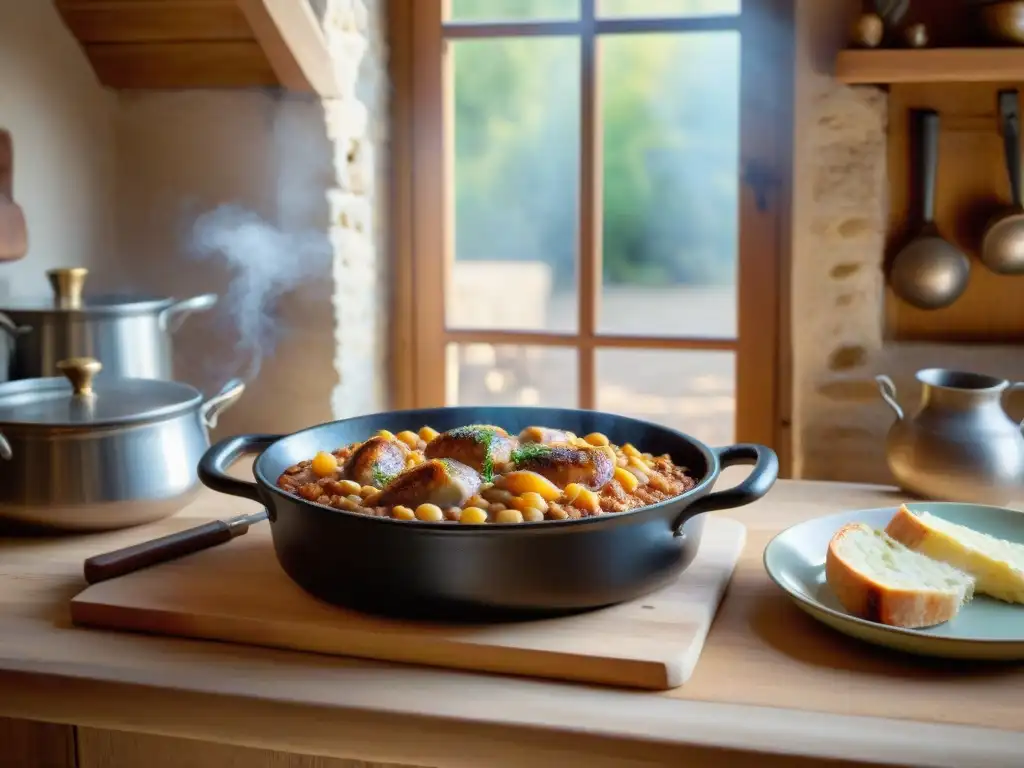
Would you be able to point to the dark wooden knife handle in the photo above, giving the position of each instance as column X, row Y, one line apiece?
column 110, row 565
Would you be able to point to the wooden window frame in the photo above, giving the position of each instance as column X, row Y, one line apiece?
column 422, row 213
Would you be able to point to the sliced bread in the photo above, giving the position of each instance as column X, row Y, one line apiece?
column 878, row 579
column 996, row 565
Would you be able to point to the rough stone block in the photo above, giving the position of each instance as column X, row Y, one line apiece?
column 354, row 167
column 346, row 15
column 346, row 119
column 350, row 211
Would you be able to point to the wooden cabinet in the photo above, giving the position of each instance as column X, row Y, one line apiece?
column 960, row 77
column 972, row 186
column 29, row 744
column 117, row 749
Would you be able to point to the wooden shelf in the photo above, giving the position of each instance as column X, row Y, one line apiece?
column 177, row 44
column 930, row 65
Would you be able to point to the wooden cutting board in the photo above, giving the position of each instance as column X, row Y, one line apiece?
column 238, row 593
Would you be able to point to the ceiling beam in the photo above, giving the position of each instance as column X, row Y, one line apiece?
column 294, row 43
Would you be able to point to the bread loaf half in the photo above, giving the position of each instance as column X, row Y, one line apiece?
column 996, row 565
column 878, row 579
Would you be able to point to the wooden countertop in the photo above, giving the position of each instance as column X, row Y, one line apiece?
column 740, row 697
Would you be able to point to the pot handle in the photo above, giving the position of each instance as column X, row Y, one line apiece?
column 760, row 481
column 5, row 449
column 1015, row 386
column 15, row 330
column 171, row 318
column 215, row 462
column 216, row 405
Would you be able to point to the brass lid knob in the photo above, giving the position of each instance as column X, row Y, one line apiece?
column 67, row 285
column 80, row 372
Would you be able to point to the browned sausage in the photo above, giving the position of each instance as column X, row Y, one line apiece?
column 564, row 464
column 544, row 435
column 443, row 482
column 481, row 447
column 376, row 462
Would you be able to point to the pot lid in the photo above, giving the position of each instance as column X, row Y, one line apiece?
column 68, row 285
column 82, row 398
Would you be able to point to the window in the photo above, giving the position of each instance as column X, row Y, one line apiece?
column 594, row 196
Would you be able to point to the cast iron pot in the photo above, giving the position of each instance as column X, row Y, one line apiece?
column 447, row 570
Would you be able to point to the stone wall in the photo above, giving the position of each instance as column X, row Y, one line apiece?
column 837, row 288
column 357, row 126
column 838, row 292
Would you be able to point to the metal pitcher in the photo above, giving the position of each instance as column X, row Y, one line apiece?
column 960, row 445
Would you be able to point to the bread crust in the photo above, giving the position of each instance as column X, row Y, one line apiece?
column 995, row 577
column 864, row 597
column 907, row 528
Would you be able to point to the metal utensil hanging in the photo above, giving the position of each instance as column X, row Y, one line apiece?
column 929, row 272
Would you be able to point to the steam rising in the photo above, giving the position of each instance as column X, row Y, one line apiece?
column 264, row 263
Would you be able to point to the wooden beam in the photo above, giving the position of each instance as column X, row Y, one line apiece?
column 294, row 44
column 139, row 22
column 236, row 64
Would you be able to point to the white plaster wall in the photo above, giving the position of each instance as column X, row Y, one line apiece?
column 840, row 209
column 304, row 165
column 115, row 181
column 183, row 154
column 61, row 121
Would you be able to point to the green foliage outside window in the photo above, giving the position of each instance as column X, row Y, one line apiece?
column 669, row 110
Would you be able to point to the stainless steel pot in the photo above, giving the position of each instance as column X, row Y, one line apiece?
column 92, row 452
column 130, row 334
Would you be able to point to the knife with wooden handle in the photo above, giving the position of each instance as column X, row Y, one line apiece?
column 110, row 565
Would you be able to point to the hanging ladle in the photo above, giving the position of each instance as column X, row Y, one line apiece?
column 929, row 272
column 1002, row 247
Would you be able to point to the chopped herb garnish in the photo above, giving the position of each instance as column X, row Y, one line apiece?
column 485, row 436
column 479, row 432
column 529, row 452
column 381, row 478
column 487, row 471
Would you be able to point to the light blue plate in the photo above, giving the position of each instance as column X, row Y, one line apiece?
column 984, row 628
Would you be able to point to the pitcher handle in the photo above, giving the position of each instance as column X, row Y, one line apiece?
column 887, row 388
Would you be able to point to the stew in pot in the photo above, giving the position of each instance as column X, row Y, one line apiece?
column 482, row 474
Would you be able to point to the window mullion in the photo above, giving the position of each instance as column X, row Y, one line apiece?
column 590, row 202
column 431, row 190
